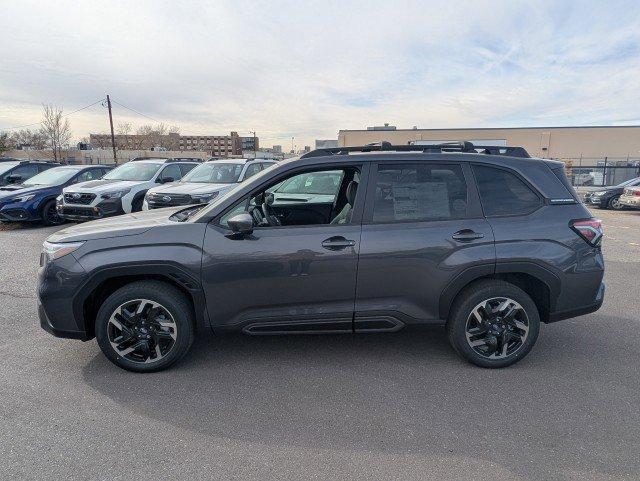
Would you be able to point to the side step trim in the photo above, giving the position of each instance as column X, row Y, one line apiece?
column 377, row 324
column 316, row 326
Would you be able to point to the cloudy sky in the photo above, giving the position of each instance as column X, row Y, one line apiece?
column 310, row 68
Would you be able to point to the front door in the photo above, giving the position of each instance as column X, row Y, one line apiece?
column 423, row 228
column 288, row 275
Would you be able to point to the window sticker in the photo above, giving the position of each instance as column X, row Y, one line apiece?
column 421, row 200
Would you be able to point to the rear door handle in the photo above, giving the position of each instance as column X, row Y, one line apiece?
column 466, row 235
column 337, row 243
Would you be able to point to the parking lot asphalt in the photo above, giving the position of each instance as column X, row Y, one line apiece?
column 395, row 406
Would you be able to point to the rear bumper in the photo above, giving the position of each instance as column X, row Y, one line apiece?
column 581, row 310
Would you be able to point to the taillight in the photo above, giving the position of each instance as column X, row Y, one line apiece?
column 636, row 192
column 589, row 229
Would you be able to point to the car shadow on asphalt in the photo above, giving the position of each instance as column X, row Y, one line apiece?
column 401, row 393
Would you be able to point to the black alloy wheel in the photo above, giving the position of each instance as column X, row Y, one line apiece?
column 497, row 328
column 493, row 323
column 145, row 326
column 50, row 214
column 142, row 331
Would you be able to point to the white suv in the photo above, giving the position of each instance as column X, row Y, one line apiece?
column 206, row 182
column 121, row 191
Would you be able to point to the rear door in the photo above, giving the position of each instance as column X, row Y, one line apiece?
column 423, row 230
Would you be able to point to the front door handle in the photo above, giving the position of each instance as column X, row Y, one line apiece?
column 337, row 243
column 466, row 235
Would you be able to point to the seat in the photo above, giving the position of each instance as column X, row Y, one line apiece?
column 344, row 216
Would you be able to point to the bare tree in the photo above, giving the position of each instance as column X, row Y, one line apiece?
column 123, row 128
column 56, row 129
column 5, row 141
column 31, row 138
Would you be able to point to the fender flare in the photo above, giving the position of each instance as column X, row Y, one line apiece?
column 173, row 272
column 541, row 273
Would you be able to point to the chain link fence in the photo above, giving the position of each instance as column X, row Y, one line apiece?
column 602, row 172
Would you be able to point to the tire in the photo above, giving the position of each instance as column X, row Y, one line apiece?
column 50, row 214
column 486, row 296
column 614, row 203
column 136, row 205
column 147, row 342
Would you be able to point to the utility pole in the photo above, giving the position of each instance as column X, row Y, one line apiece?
column 113, row 137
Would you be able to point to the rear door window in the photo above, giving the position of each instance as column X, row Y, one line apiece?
column 417, row 193
column 504, row 193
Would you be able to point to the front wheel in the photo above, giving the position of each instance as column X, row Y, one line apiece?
column 50, row 214
column 614, row 203
column 136, row 205
column 145, row 326
column 493, row 324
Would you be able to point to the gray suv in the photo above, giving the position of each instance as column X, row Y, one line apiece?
column 343, row 240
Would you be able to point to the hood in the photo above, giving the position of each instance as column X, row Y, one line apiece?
column 119, row 226
column 190, row 188
column 17, row 189
column 103, row 185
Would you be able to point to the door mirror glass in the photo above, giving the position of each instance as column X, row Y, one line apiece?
column 241, row 224
column 165, row 180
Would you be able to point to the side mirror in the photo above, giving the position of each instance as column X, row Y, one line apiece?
column 14, row 179
column 165, row 180
column 241, row 224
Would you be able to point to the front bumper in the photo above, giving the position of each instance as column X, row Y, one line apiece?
column 75, row 212
column 16, row 215
column 58, row 282
column 597, row 200
column 630, row 201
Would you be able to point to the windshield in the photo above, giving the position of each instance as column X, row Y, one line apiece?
column 215, row 173
column 4, row 166
column 139, row 171
column 55, row 176
column 322, row 183
column 633, row 181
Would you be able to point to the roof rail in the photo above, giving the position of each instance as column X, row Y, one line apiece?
column 457, row 146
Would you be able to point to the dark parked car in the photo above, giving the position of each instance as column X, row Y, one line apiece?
column 492, row 246
column 609, row 197
column 17, row 171
column 35, row 198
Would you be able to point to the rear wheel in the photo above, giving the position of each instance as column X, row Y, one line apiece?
column 493, row 324
column 145, row 326
column 50, row 214
column 614, row 203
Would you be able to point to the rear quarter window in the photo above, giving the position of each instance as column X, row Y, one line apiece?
column 504, row 193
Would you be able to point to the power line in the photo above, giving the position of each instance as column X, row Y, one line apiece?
column 65, row 115
column 133, row 110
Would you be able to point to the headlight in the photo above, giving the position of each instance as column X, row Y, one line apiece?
column 205, row 198
column 51, row 251
column 115, row 195
column 600, row 193
column 23, row 198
